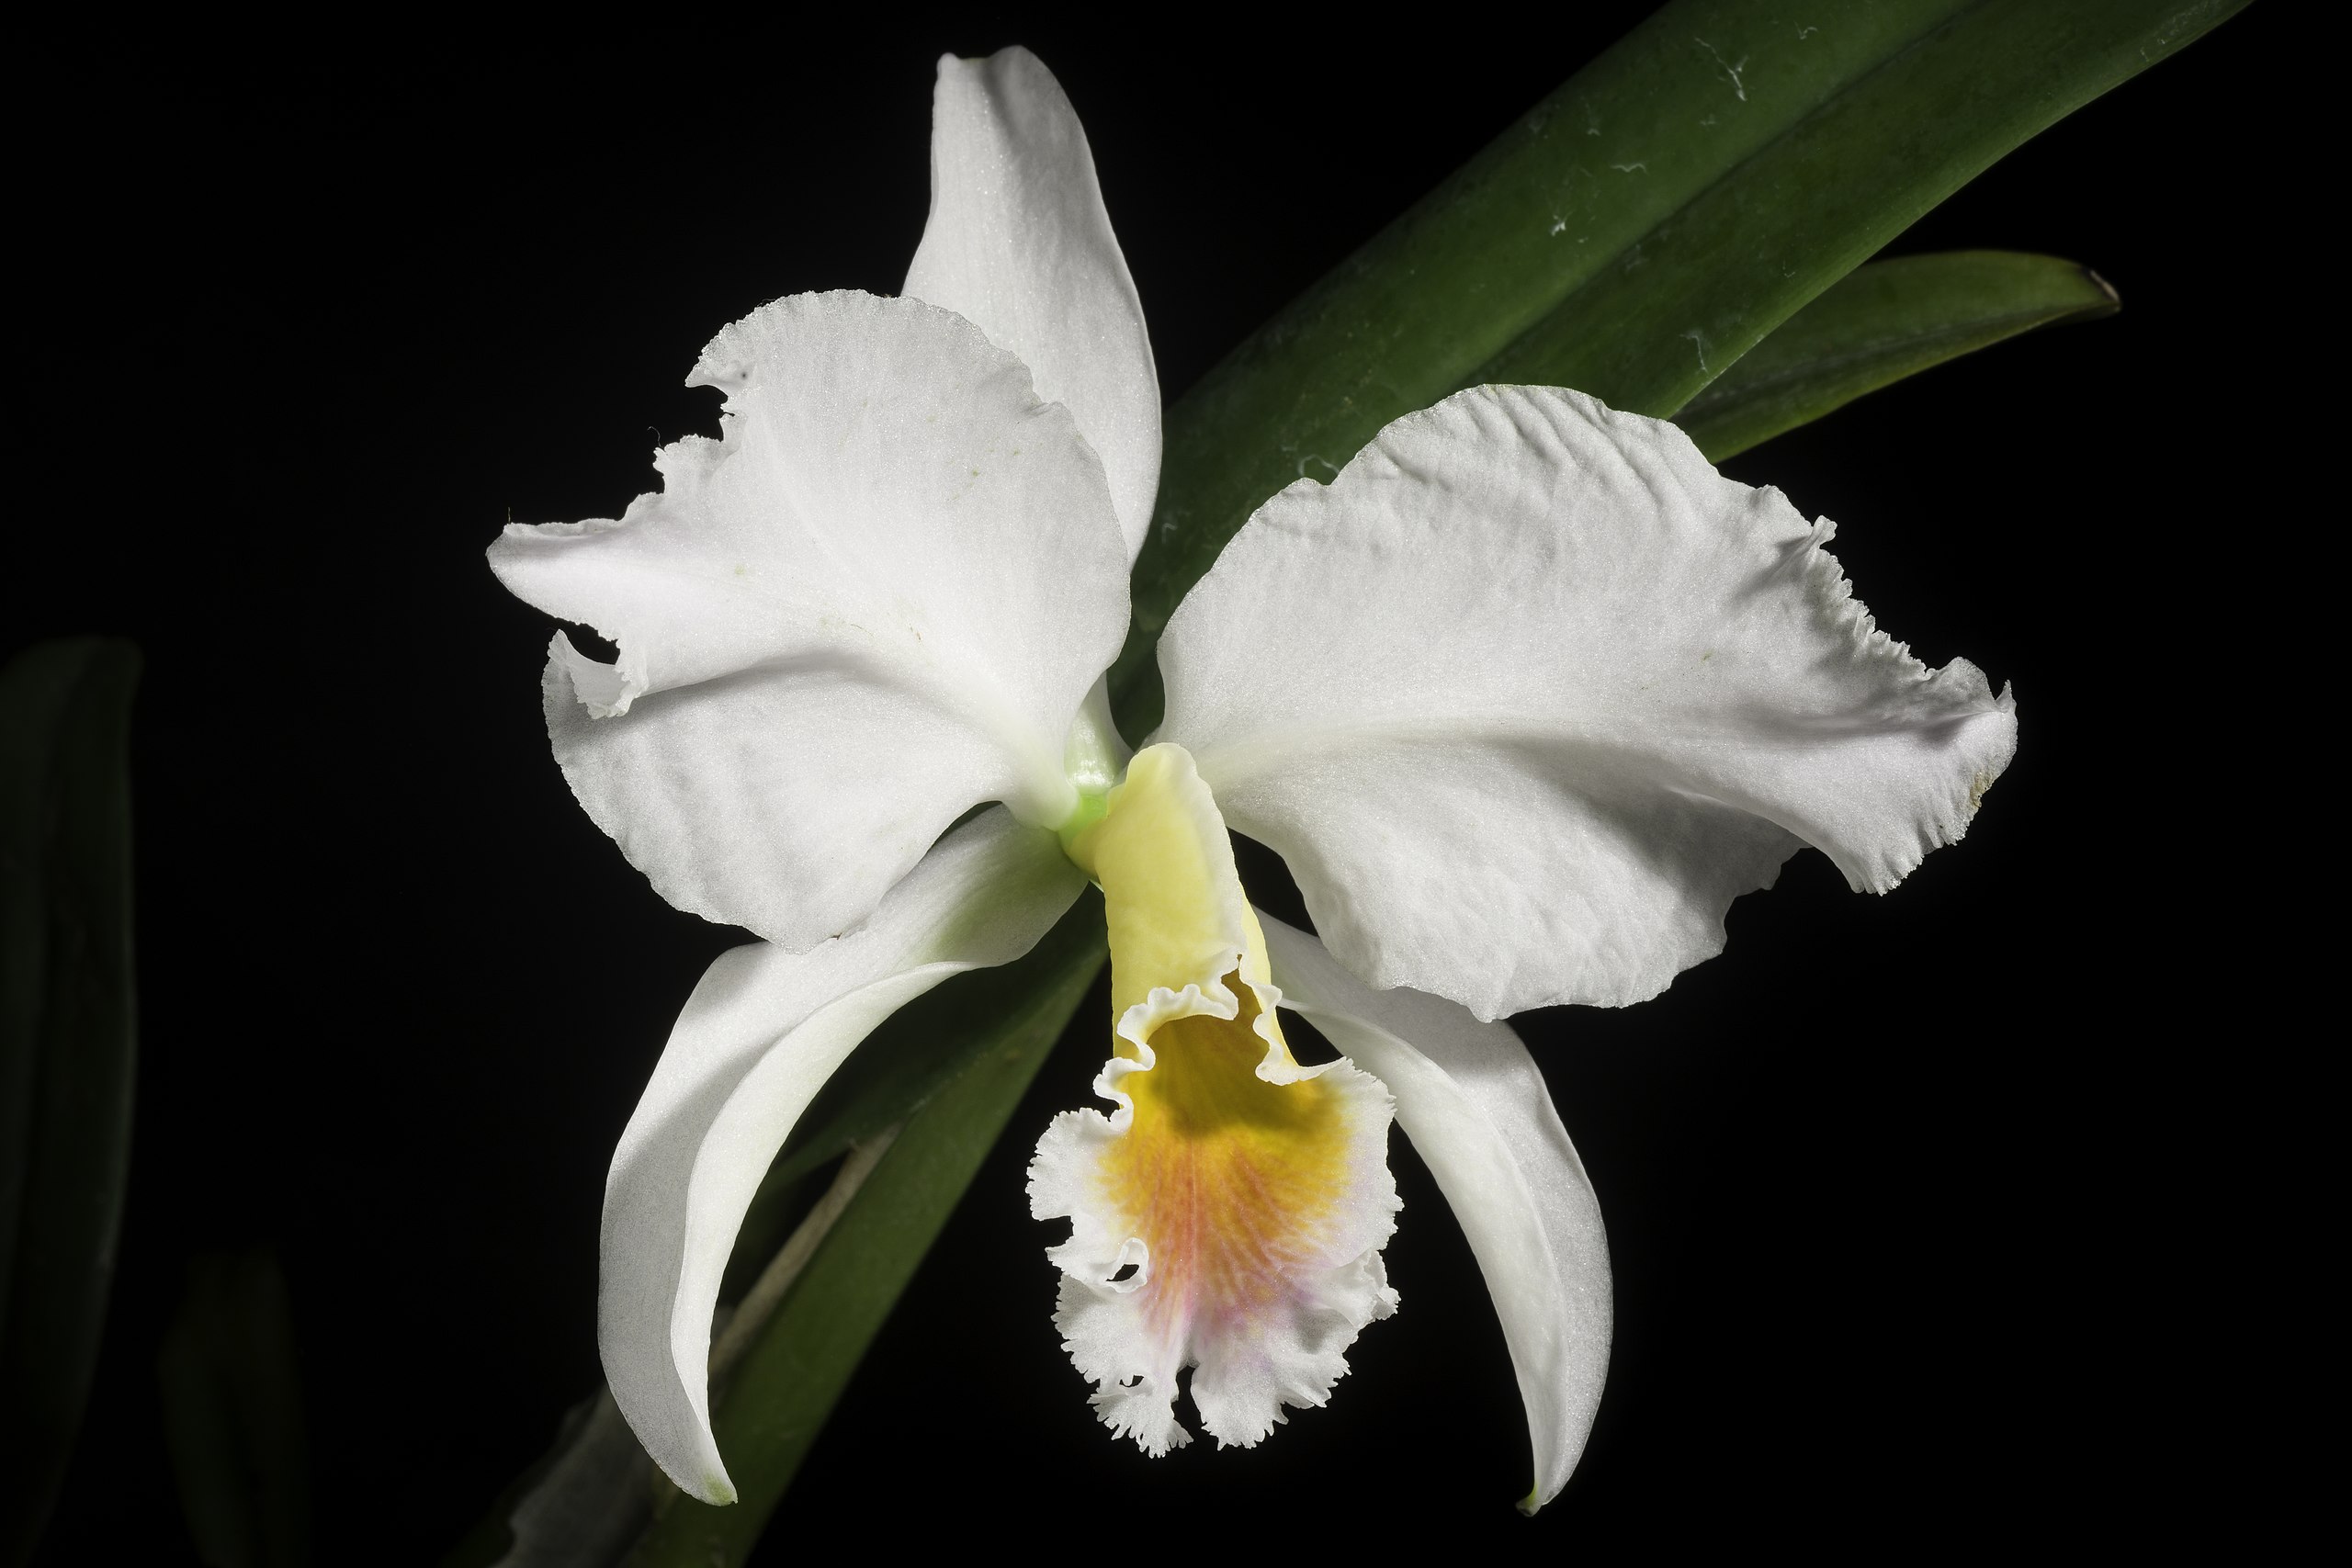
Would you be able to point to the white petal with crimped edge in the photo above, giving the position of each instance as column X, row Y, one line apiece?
column 760, row 1036
column 1019, row 241
column 878, row 601
column 1475, row 1106
column 1530, row 693
column 1230, row 1215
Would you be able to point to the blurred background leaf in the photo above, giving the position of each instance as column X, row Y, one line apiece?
column 232, row 1414
column 67, row 1047
column 1880, row 323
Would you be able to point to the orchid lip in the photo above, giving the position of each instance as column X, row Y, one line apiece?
column 1250, row 1195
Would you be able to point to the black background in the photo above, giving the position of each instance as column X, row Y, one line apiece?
column 1907, row 1227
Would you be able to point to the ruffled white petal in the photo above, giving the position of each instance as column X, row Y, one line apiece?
column 878, row 601
column 760, row 1036
column 1019, row 241
column 1476, row 1107
column 1530, row 693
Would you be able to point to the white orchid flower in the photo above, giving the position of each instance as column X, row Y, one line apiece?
column 1524, row 698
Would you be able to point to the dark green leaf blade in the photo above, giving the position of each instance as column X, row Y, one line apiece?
column 787, row 1380
column 67, row 1056
column 1579, row 181
column 1757, row 157
column 1719, row 275
column 1880, row 323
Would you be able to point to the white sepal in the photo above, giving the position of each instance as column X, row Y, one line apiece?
column 759, row 1037
column 878, row 601
column 1530, row 693
column 1019, row 241
column 1475, row 1106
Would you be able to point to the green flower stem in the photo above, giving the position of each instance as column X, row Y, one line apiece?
column 1879, row 324
column 759, row 1303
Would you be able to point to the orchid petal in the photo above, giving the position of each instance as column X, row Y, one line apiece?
column 759, row 1037
column 1529, row 693
column 1475, row 1106
column 1019, row 242
column 876, row 602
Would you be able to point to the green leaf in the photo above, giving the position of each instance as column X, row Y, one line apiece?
column 789, row 1376
column 1880, row 323
column 1632, row 235
column 67, row 1047
column 232, row 1414
column 1730, row 266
